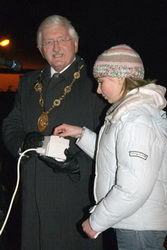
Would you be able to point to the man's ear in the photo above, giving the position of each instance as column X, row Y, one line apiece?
column 76, row 46
column 41, row 52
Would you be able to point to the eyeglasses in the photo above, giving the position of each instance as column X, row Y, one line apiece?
column 51, row 43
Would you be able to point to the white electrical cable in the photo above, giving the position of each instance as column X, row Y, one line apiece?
column 16, row 188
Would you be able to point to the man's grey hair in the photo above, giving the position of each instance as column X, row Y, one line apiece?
column 55, row 20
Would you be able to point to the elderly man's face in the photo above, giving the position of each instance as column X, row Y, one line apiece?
column 58, row 47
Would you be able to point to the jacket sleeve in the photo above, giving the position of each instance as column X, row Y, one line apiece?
column 139, row 153
column 88, row 142
column 12, row 128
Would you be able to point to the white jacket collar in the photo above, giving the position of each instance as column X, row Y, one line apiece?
column 148, row 94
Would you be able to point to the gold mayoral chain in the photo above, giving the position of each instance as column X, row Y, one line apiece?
column 43, row 119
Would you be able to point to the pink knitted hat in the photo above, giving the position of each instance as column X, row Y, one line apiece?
column 119, row 61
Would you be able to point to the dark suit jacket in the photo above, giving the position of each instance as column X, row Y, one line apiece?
column 52, row 205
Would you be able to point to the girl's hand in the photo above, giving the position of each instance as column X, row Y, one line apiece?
column 88, row 230
column 68, row 130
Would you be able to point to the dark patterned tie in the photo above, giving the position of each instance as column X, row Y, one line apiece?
column 56, row 75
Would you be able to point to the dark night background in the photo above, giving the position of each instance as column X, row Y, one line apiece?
column 100, row 25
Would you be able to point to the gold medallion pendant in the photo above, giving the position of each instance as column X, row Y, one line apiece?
column 43, row 121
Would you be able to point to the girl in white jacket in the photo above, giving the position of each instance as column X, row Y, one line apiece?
column 131, row 153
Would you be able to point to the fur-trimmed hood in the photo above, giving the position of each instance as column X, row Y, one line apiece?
column 149, row 94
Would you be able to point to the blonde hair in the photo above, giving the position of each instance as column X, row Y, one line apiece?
column 132, row 83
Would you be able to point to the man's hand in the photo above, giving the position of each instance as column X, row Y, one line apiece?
column 32, row 140
column 88, row 230
column 69, row 166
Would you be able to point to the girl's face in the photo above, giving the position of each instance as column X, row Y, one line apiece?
column 111, row 88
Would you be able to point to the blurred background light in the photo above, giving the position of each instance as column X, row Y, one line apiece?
column 4, row 42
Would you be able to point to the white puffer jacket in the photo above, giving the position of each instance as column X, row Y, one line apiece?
column 131, row 163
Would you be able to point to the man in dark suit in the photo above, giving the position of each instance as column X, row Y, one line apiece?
column 55, row 197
